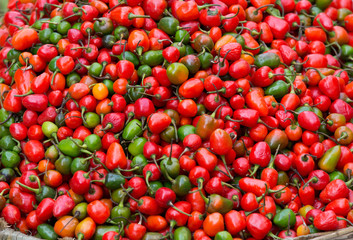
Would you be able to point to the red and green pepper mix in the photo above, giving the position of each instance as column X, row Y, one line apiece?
column 170, row 119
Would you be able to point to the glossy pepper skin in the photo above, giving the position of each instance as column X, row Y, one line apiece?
column 205, row 126
column 334, row 190
column 258, row 225
column 329, row 160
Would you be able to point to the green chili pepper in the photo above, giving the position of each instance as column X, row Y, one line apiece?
column 7, row 174
column 139, row 162
column 144, row 71
column 108, row 41
column 152, row 58
column 269, row 59
column 346, row 52
column 72, row 78
column 113, row 181
column 102, row 229
column 45, row 192
column 130, row 57
column 103, row 26
column 240, row 39
column 315, row 10
column 132, row 129
column 53, row 24
column 185, row 130
column 120, row 213
column 182, row 233
column 4, row 131
column 55, row 38
column 13, row 55
column 170, row 167
column 95, row 69
column 182, row 36
column 14, row 68
column 323, row 4
column 109, row 84
column 10, row 159
column 213, row 204
column 181, row 47
column 6, row 118
column 121, row 32
column 313, row 229
column 52, row 64
column 342, row 13
column 46, row 231
column 168, row 134
column 330, row 159
column 51, row 153
column 117, row 195
column 278, row 89
column 92, row 143
column 205, row 59
column 70, row 147
column 169, row 25
column 79, row 164
column 153, row 187
column 224, row 235
column 38, row 24
column 284, row 217
column 91, row 120
column 181, row 185
column 189, row 50
column 136, row 147
column 63, row 27
column 49, row 129
column 8, row 143
column 337, row 175
column 80, row 211
column 77, row 26
column 152, row 236
column 135, row 93
column 44, row 35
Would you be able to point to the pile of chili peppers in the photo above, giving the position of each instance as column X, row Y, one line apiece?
column 169, row 119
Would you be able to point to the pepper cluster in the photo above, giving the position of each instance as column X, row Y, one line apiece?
column 170, row 119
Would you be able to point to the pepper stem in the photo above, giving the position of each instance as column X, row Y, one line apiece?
column 177, row 209
column 226, row 167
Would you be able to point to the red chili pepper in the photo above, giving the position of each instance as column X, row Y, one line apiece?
column 326, row 221
column 135, row 231
column 258, row 225
column 322, row 20
column 234, row 222
column 116, row 157
column 334, row 190
column 330, row 87
column 256, row 186
column 255, row 100
column 98, row 211
column 63, row 205
column 279, row 27
column 24, row 39
column 45, row 209
column 11, row 102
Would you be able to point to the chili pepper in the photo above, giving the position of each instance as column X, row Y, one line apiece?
column 326, row 221
column 63, row 205
column 24, row 38
column 330, row 159
column 258, row 226
column 334, row 190
column 284, row 217
column 115, row 157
